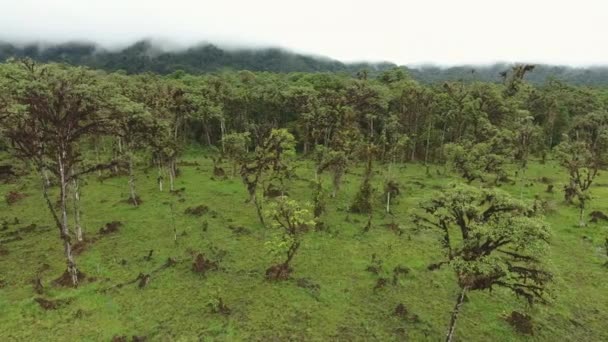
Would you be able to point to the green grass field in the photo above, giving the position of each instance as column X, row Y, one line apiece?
column 331, row 296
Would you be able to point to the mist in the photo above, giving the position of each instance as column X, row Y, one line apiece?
column 433, row 32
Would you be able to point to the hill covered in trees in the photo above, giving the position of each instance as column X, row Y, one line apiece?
column 145, row 56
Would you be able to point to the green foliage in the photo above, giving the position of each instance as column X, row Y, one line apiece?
column 490, row 239
column 292, row 220
column 477, row 160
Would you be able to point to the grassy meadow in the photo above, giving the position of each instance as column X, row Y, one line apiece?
column 331, row 296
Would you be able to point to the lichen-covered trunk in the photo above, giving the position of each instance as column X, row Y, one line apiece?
column 76, row 200
column 132, row 182
column 172, row 175
column 222, row 133
column 428, row 144
column 159, row 179
column 64, row 227
column 258, row 208
column 452, row 327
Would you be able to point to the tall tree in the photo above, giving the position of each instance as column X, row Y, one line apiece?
column 269, row 161
column 53, row 110
column 583, row 153
column 489, row 239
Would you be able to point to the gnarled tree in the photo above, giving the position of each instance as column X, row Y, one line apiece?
column 489, row 240
column 52, row 110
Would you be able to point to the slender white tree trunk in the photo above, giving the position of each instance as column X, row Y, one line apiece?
column 65, row 232
column 223, row 132
column 450, row 334
column 172, row 175
column 76, row 199
column 132, row 182
column 160, row 174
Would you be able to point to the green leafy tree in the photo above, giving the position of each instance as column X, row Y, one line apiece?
column 489, row 239
column 51, row 111
column 292, row 220
column 334, row 161
column 236, row 148
column 269, row 161
column 134, row 125
column 478, row 160
column 583, row 153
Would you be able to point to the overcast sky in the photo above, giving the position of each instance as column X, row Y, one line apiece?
column 405, row 32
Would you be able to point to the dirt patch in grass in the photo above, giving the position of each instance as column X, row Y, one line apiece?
column 278, row 272
column 522, row 323
column 80, row 246
column 201, row 264
column 17, row 235
column 13, row 197
column 48, row 304
column 65, row 280
column 135, row 202
column 239, row 230
column 199, row 210
column 394, row 227
column 110, row 227
column 597, row 216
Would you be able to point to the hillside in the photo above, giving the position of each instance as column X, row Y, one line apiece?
column 144, row 56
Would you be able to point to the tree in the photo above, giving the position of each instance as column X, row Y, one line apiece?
column 583, row 153
column 527, row 140
column 319, row 201
column 363, row 199
column 134, row 125
column 268, row 162
column 236, row 147
column 334, row 161
column 53, row 110
column 489, row 239
column 476, row 160
column 293, row 220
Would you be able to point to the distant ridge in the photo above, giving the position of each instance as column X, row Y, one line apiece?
column 145, row 56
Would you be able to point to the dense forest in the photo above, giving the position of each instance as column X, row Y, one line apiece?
column 146, row 56
column 256, row 205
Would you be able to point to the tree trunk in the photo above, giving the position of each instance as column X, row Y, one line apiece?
column 581, row 218
column 96, row 143
column 290, row 254
column 443, row 140
column 415, row 138
column 76, row 198
column 207, row 135
column 388, row 202
column 223, row 132
column 455, row 312
column 132, row 182
column 160, row 175
column 172, row 175
column 47, row 180
column 258, row 208
column 428, row 142
column 64, row 228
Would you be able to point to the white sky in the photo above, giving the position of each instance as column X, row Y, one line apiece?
column 405, row 32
